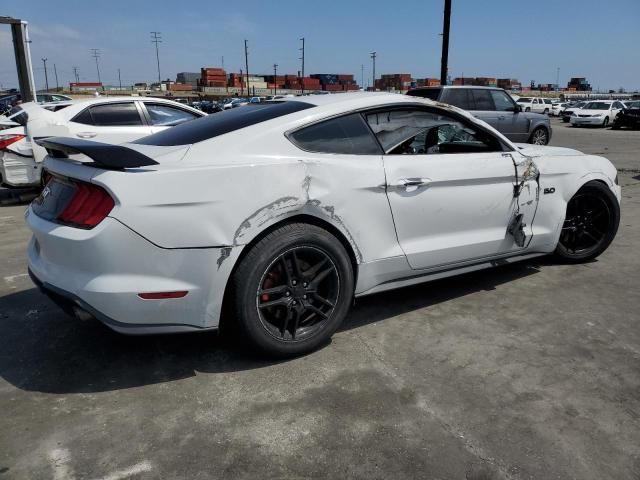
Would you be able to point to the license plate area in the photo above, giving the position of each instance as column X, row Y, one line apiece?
column 55, row 196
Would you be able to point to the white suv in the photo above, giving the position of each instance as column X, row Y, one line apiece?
column 535, row 104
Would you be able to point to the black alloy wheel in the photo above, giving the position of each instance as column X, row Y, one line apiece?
column 591, row 223
column 298, row 293
column 292, row 290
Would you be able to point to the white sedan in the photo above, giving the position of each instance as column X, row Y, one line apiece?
column 106, row 119
column 280, row 213
column 599, row 113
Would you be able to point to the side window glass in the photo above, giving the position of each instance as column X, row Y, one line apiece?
column 165, row 115
column 502, row 101
column 483, row 100
column 116, row 115
column 414, row 132
column 458, row 97
column 83, row 117
column 346, row 135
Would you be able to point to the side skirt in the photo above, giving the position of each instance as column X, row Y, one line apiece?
column 417, row 277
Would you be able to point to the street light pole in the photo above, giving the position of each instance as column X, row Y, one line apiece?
column 302, row 58
column 373, row 58
column 444, row 66
column 55, row 72
column 275, row 78
column 46, row 78
column 119, row 80
column 246, row 65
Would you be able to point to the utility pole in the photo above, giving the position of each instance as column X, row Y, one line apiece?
column 302, row 58
column 558, row 79
column 444, row 67
column 362, row 75
column 222, row 58
column 373, row 58
column 55, row 72
column 275, row 78
column 156, row 37
column 119, row 80
column 46, row 78
column 95, row 53
column 246, row 64
column 241, row 85
column 75, row 74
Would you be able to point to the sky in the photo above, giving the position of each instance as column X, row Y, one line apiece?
column 530, row 40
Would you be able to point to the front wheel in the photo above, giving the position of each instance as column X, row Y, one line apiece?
column 528, row 109
column 590, row 225
column 292, row 290
column 540, row 136
column 605, row 122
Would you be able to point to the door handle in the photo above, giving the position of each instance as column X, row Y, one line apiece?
column 86, row 134
column 411, row 184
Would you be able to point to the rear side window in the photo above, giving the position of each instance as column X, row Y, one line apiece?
column 110, row 115
column 224, row 122
column 482, row 99
column 430, row 93
column 115, row 115
column 346, row 135
column 459, row 97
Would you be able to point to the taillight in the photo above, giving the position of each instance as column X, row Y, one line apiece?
column 89, row 205
column 6, row 140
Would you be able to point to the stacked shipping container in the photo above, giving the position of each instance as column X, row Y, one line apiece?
column 213, row 77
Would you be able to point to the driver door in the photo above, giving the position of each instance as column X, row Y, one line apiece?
column 450, row 187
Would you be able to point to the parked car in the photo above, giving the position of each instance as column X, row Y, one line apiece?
column 275, row 210
column 235, row 102
column 535, row 104
column 599, row 113
column 557, row 108
column 109, row 120
column 570, row 109
column 496, row 107
column 51, row 97
column 628, row 116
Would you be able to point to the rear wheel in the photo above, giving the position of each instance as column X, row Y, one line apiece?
column 292, row 290
column 590, row 225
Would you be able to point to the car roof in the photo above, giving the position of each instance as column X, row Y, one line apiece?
column 457, row 86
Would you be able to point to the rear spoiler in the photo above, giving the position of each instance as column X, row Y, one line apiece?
column 104, row 154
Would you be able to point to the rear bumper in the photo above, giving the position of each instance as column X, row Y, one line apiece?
column 102, row 271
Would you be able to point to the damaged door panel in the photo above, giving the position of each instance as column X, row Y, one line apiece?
column 526, row 191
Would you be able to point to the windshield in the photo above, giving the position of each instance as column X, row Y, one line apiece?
column 597, row 106
column 524, row 100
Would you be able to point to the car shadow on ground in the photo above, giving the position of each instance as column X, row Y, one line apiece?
column 17, row 196
column 45, row 350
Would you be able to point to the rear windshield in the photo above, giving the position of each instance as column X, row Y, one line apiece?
column 430, row 93
column 223, row 122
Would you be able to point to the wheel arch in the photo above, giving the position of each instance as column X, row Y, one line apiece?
column 296, row 218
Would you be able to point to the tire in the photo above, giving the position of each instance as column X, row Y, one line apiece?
column 605, row 122
column 292, row 290
column 546, row 111
column 565, row 120
column 528, row 109
column 539, row 136
column 591, row 223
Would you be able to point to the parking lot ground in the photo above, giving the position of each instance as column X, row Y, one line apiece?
column 527, row 371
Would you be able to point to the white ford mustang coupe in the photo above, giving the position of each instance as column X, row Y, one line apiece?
column 278, row 214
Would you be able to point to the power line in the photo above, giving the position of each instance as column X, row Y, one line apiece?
column 156, row 37
column 46, row 78
column 95, row 53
